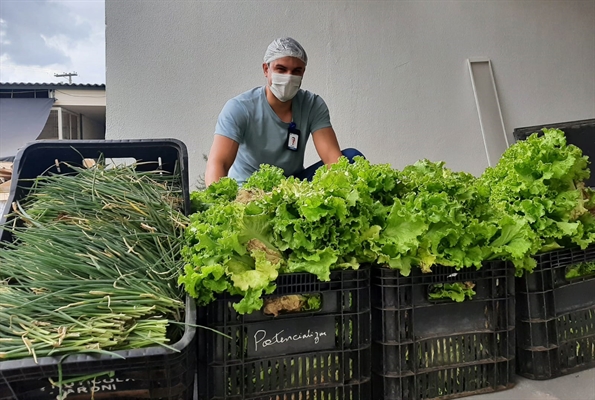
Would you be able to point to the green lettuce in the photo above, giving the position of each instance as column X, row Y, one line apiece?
column 266, row 178
column 456, row 291
column 440, row 218
column 537, row 188
column 229, row 248
column 240, row 239
column 224, row 190
column 282, row 225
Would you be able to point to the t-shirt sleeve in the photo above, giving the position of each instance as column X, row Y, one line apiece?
column 319, row 116
column 232, row 121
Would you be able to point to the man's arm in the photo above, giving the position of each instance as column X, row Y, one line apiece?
column 327, row 145
column 221, row 157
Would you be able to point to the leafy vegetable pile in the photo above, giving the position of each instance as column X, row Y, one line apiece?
column 240, row 239
column 94, row 264
column 244, row 238
column 439, row 218
column 539, row 182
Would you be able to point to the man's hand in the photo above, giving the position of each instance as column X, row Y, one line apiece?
column 221, row 157
column 327, row 146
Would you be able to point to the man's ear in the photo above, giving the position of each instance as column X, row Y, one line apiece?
column 265, row 69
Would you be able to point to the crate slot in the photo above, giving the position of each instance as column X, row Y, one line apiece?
column 425, row 349
column 298, row 361
column 556, row 326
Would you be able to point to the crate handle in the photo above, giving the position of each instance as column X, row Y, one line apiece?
column 292, row 304
column 451, row 292
column 579, row 271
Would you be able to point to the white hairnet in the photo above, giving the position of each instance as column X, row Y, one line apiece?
column 285, row 47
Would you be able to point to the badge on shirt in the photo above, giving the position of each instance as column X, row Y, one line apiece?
column 293, row 137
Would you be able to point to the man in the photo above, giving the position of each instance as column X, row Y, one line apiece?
column 271, row 124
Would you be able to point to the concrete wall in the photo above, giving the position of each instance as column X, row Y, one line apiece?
column 92, row 129
column 393, row 73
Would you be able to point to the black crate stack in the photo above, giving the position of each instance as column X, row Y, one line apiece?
column 322, row 354
column 442, row 349
column 556, row 316
column 150, row 373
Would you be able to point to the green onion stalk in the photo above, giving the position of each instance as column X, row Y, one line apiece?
column 93, row 265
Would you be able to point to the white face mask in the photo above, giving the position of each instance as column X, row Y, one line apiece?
column 285, row 86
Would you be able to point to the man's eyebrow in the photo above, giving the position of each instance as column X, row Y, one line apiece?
column 281, row 66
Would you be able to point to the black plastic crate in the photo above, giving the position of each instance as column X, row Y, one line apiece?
column 149, row 373
column 579, row 133
column 556, row 317
column 429, row 349
column 322, row 354
column 43, row 157
column 344, row 392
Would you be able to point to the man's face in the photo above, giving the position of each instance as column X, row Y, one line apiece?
column 285, row 65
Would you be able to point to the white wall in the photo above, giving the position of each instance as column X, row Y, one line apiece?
column 80, row 97
column 92, row 129
column 393, row 73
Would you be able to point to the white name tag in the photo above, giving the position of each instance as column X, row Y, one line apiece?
column 292, row 141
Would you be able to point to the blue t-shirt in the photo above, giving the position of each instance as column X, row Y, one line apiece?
column 249, row 120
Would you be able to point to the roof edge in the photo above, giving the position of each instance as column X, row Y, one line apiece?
column 17, row 85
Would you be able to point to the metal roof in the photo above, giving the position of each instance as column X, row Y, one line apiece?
column 16, row 85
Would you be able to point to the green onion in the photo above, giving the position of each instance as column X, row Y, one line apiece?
column 93, row 265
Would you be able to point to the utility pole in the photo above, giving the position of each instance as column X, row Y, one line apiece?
column 68, row 74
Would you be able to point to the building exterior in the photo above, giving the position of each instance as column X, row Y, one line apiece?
column 37, row 111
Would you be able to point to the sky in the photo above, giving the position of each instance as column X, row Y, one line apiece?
column 40, row 38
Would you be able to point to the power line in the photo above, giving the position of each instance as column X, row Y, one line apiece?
column 68, row 74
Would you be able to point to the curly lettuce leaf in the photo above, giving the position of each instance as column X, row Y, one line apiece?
column 229, row 248
column 456, row 291
column 266, row 178
column 224, row 190
column 540, row 180
column 441, row 218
